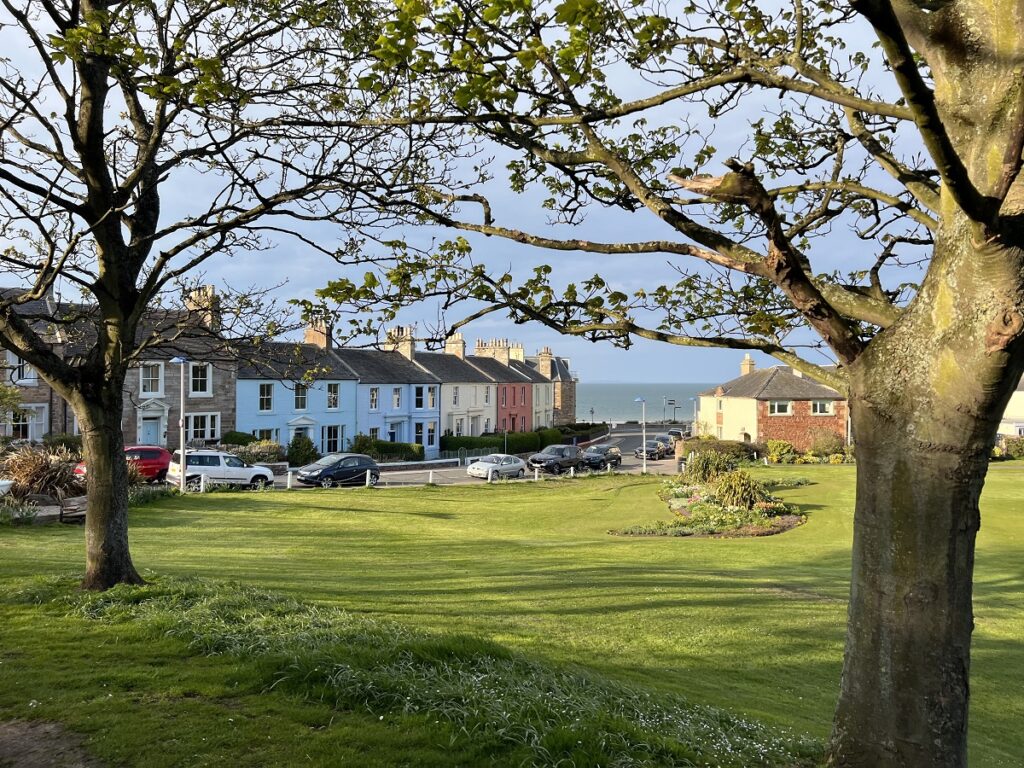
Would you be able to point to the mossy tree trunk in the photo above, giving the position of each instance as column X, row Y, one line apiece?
column 108, row 560
column 926, row 400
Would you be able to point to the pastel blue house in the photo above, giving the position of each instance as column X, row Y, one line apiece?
column 276, row 401
column 396, row 399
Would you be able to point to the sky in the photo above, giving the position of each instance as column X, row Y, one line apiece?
column 301, row 270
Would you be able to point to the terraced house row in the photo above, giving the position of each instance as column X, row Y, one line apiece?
column 282, row 389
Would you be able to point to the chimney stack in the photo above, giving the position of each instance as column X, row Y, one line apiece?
column 455, row 345
column 204, row 301
column 496, row 349
column 546, row 363
column 400, row 340
column 747, row 366
column 320, row 333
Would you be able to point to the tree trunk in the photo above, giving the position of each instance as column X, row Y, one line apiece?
column 108, row 561
column 926, row 401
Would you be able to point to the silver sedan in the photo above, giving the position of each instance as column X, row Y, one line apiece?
column 497, row 466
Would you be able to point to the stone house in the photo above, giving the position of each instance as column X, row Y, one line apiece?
column 558, row 371
column 775, row 403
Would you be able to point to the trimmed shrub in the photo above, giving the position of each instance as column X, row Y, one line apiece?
column 707, row 465
column 301, row 451
column 738, row 451
column 237, row 438
column 72, row 443
column 260, row 451
column 739, row 489
column 1014, row 447
column 825, row 442
column 38, row 471
column 384, row 450
column 453, row 443
column 552, row 437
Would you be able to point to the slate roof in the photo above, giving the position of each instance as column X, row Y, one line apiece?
column 451, row 370
column 497, row 370
column 374, row 366
column 290, row 361
column 559, row 368
column 776, row 383
column 528, row 372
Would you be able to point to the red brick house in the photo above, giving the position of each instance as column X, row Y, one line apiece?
column 776, row 403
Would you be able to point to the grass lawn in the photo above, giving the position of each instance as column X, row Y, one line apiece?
column 754, row 626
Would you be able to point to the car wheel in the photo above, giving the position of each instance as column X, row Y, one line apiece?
column 327, row 482
column 373, row 479
column 161, row 476
column 602, row 465
column 259, row 483
column 521, row 473
column 556, row 469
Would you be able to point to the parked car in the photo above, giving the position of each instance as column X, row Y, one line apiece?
column 667, row 440
column 496, row 466
column 219, row 468
column 152, row 461
column 340, row 469
column 557, row 459
column 601, row 456
column 652, row 448
column 678, row 434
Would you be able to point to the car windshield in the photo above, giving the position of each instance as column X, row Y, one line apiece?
column 328, row 460
column 553, row 450
column 490, row 459
column 652, row 443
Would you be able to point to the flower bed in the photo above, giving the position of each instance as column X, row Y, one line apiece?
column 698, row 510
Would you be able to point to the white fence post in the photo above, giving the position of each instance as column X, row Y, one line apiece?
column 289, row 479
column 536, row 473
column 202, row 483
column 572, row 471
column 367, row 478
column 430, row 477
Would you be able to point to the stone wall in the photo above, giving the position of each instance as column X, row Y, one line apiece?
column 800, row 426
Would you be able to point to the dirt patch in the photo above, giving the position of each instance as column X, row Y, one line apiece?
column 42, row 745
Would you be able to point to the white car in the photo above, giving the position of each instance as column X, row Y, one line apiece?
column 218, row 468
column 497, row 466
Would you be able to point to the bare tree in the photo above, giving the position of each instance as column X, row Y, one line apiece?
column 911, row 142
column 138, row 140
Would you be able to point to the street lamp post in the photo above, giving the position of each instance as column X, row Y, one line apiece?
column 181, row 361
column 643, row 431
column 591, row 415
column 693, row 426
column 664, row 407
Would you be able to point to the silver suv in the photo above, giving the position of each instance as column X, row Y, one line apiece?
column 217, row 467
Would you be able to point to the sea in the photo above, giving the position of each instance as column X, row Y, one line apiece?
column 617, row 402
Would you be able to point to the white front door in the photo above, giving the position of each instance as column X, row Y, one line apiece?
column 151, row 431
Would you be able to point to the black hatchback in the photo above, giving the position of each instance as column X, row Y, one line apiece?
column 340, row 469
column 601, row 456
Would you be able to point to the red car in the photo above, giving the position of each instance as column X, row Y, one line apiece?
column 152, row 461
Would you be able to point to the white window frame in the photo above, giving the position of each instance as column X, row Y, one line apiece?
column 829, row 408
column 35, row 417
column 338, row 438
column 21, row 373
column 487, row 425
column 431, row 433
column 396, row 398
column 487, row 394
column 333, row 391
column 773, row 408
column 192, row 367
column 375, row 433
column 455, row 395
column 418, row 433
column 419, row 398
column 458, row 427
column 504, row 396
column 159, row 391
column 209, row 432
column 432, row 397
column 374, row 398
column 301, row 391
column 260, row 397
column 267, row 434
